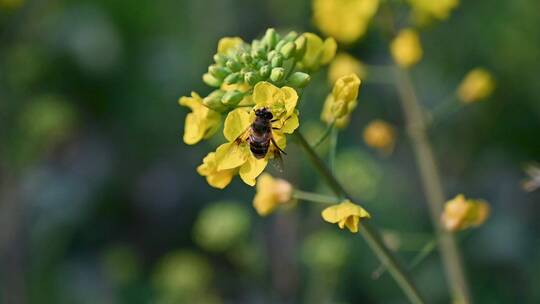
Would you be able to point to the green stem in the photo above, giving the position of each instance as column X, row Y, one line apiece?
column 324, row 136
column 314, row 197
column 371, row 236
column 333, row 150
column 416, row 128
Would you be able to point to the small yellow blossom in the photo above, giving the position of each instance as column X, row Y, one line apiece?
column 227, row 44
column 318, row 52
column 478, row 84
column 345, row 214
column 425, row 10
column 202, row 122
column 406, row 48
column 460, row 213
column 345, row 20
column 271, row 192
column 345, row 64
column 342, row 101
column 235, row 155
column 215, row 178
column 380, row 135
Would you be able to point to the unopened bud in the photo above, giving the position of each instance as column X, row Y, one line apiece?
column 246, row 58
column 277, row 61
column 218, row 71
column 290, row 36
column 277, row 74
column 211, row 80
column 232, row 78
column 271, row 55
column 270, row 38
column 280, row 44
column 301, row 47
column 264, row 71
column 213, row 101
column 251, row 78
column 299, row 79
column 288, row 50
column 232, row 98
column 220, row 59
column 233, row 65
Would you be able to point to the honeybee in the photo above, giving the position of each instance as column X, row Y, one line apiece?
column 259, row 137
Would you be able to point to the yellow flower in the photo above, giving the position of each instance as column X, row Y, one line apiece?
column 460, row 213
column 215, row 178
column 477, row 85
column 318, row 52
column 345, row 214
column 424, row 10
column 271, row 192
column 227, row 44
column 202, row 122
column 342, row 101
column 235, row 156
column 345, row 20
column 406, row 48
column 380, row 135
column 345, row 64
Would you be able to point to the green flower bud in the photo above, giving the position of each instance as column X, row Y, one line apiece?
column 218, row 71
column 301, row 47
column 298, row 79
column 271, row 55
column 251, row 78
column 264, row 71
column 232, row 78
column 246, row 58
column 213, row 101
column 277, row 74
column 233, row 65
column 290, row 36
column 220, row 59
column 270, row 38
column 277, row 61
column 232, row 98
column 280, row 44
column 288, row 50
column 211, row 80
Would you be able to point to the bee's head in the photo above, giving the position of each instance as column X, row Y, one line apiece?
column 264, row 113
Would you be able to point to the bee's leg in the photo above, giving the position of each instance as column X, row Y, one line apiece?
column 275, row 145
column 274, row 120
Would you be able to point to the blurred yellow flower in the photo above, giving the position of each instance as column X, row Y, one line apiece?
column 424, row 10
column 345, row 64
column 318, row 52
column 478, row 84
column 380, row 135
column 271, row 192
column 460, row 213
column 215, row 178
column 235, row 155
column 342, row 101
column 406, row 48
column 345, row 214
column 227, row 44
column 202, row 122
column 345, row 20
column 11, row 4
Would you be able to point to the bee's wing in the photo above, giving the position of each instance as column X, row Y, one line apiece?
column 277, row 160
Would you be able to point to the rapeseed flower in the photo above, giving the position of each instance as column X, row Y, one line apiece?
column 380, row 135
column 345, row 20
column 202, row 122
column 477, row 85
column 460, row 213
column 271, row 192
column 318, row 52
column 345, row 64
column 406, row 48
column 342, row 101
column 345, row 214
column 425, row 10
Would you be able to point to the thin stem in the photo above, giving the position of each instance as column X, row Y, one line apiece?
column 371, row 236
column 444, row 109
column 416, row 128
column 314, row 197
column 333, row 149
column 324, row 136
column 422, row 254
column 378, row 74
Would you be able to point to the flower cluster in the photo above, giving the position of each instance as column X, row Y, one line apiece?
column 460, row 213
column 265, row 74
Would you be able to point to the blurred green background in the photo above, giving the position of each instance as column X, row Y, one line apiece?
column 100, row 201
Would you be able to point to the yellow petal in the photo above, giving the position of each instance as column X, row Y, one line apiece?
column 352, row 223
column 220, row 179
column 263, row 93
column 193, row 132
column 251, row 169
column 290, row 98
column 336, row 213
column 290, row 124
column 236, row 123
column 328, row 51
column 231, row 155
column 228, row 43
